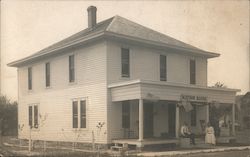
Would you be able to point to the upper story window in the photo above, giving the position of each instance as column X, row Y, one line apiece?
column 192, row 72
column 163, row 68
column 30, row 78
column 71, row 68
column 79, row 116
column 47, row 74
column 33, row 116
column 125, row 62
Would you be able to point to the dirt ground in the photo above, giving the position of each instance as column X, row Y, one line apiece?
column 243, row 138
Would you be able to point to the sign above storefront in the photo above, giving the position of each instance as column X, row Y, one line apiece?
column 194, row 98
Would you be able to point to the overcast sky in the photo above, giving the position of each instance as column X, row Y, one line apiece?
column 217, row 26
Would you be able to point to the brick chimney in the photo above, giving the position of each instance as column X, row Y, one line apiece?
column 91, row 16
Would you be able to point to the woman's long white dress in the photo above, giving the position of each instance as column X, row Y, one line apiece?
column 210, row 138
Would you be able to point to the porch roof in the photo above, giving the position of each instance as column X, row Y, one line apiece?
column 156, row 90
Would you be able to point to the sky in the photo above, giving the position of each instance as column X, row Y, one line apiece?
column 216, row 26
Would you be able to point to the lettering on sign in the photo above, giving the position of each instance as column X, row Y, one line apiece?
column 193, row 98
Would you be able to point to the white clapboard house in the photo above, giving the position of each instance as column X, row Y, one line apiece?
column 115, row 81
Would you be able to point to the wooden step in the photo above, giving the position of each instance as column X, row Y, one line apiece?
column 119, row 147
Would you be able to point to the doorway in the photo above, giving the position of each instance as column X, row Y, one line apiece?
column 171, row 119
column 148, row 120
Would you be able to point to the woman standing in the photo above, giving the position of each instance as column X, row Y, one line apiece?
column 210, row 138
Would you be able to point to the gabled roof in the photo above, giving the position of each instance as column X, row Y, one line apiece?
column 118, row 27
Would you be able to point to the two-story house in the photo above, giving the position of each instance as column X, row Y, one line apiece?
column 115, row 80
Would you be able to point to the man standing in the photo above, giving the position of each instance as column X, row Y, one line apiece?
column 185, row 132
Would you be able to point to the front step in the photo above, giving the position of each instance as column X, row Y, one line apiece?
column 119, row 147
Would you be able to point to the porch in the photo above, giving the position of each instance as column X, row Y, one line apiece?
column 148, row 141
column 147, row 112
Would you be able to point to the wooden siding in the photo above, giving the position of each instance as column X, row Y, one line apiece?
column 56, row 101
column 166, row 91
column 174, row 93
column 125, row 93
column 144, row 64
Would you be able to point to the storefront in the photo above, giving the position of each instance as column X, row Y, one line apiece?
column 159, row 109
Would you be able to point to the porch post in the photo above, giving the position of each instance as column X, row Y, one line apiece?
column 233, row 119
column 140, row 119
column 177, row 121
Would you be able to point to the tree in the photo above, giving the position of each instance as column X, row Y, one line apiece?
column 8, row 116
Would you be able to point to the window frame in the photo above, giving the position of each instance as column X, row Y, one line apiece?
column 125, row 62
column 30, row 116
column 163, row 68
column 47, row 74
column 36, row 116
column 72, row 68
column 75, row 114
column 192, row 71
column 33, row 116
column 83, row 114
column 30, row 78
column 79, row 119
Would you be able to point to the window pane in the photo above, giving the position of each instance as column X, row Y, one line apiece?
column 71, row 68
column 192, row 72
column 36, row 116
column 83, row 113
column 75, row 114
column 125, row 62
column 47, row 73
column 30, row 116
column 125, row 114
column 163, row 69
column 29, row 78
column 193, row 116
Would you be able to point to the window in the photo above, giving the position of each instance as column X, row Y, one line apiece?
column 75, row 114
column 47, row 74
column 83, row 113
column 192, row 72
column 71, row 68
column 125, row 114
column 193, row 116
column 33, row 116
column 79, row 116
column 125, row 62
column 163, row 68
column 30, row 78
column 30, row 116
